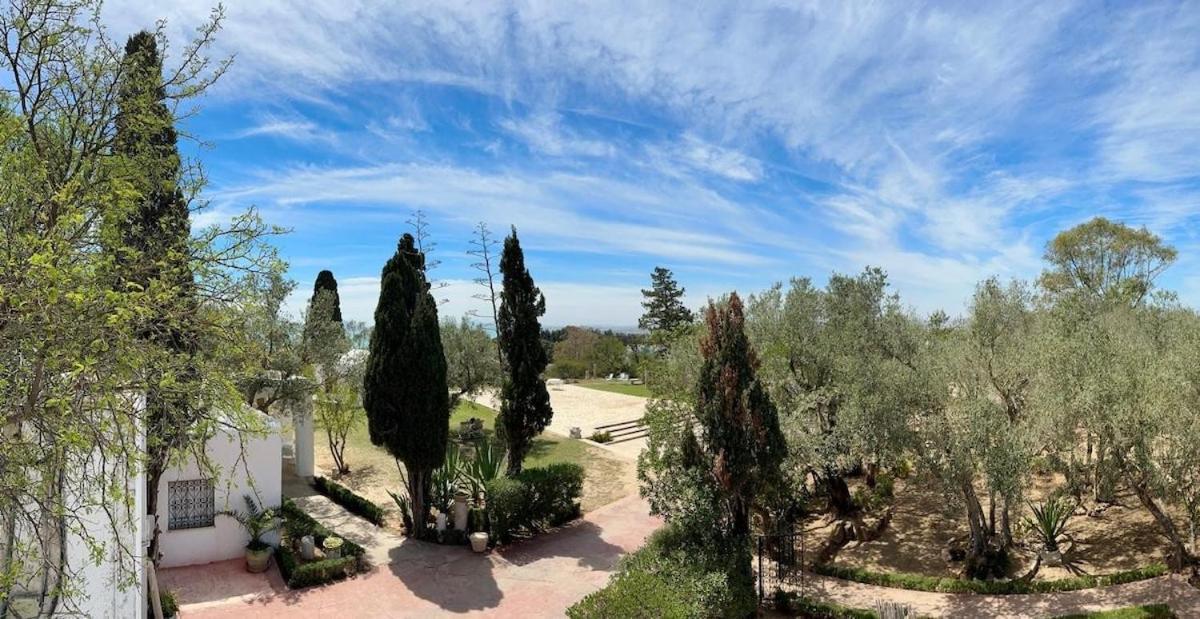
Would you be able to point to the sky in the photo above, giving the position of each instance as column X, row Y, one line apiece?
column 738, row 144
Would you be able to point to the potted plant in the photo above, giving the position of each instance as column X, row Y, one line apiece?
column 170, row 607
column 1049, row 523
column 479, row 541
column 257, row 522
column 333, row 547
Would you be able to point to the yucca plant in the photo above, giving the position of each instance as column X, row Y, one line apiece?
column 405, row 508
column 1049, row 520
column 487, row 465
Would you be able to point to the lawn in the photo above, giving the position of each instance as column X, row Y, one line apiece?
column 373, row 471
column 641, row 391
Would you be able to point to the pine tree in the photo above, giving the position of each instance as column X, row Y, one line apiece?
column 404, row 389
column 665, row 313
column 154, row 259
column 524, row 402
column 326, row 281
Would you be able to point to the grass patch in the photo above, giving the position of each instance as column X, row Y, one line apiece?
column 546, row 449
column 641, row 391
column 1153, row 611
column 921, row 582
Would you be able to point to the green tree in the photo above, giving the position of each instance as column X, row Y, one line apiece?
column 665, row 313
column 472, row 364
column 326, row 281
column 524, row 402
column 1105, row 261
column 713, row 461
column 404, row 389
column 154, row 259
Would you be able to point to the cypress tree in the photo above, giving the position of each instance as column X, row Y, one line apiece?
column 404, row 390
column 739, row 427
column 524, row 402
column 326, row 281
column 152, row 258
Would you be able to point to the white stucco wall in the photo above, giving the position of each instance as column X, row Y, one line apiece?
column 250, row 466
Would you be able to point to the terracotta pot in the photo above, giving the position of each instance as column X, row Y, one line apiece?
column 257, row 561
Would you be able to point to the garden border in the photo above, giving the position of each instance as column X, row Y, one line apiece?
column 354, row 503
column 941, row 584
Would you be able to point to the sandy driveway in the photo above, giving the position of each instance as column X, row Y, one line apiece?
column 576, row 406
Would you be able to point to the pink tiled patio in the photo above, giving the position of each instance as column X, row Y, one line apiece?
column 537, row 578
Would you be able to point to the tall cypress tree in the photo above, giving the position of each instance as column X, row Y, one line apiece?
column 404, row 390
column 326, row 281
column 153, row 258
column 524, row 402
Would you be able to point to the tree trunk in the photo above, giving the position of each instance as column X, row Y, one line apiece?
column 418, row 487
column 154, row 473
column 1006, row 537
column 839, row 494
column 976, row 520
column 1180, row 556
column 872, row 474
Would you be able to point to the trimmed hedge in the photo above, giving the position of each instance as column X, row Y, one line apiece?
column 535, row 499
column 297, row 524
column 921, row 582
column 353, row 503
column 792, row 604
column 669, row 577
column 1153, row 611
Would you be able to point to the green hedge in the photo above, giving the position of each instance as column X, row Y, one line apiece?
column 921, row 582
column 670, row 578
column 297, row 524
column 1153, row 611
column 535, row 499
column 353, row 503
column 793, row 604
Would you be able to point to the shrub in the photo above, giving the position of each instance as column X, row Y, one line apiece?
column 670, row 578
column 507, row 505
column 170, row 606
column 921, row 582
column 568, row 368
column 794, row 604
column 1153, row 611
column 602, row 436
column 297, row 524
column 553, row 493
column 534, row 500
column 353, row 503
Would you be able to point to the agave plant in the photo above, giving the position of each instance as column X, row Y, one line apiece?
column 445, row 480
column 487, row 465
column 1049, row 520
column 405, row 507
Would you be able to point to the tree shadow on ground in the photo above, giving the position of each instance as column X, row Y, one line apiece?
column 579, row 539
column 451, row 577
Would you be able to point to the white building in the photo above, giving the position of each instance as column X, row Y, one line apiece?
column 191, row 498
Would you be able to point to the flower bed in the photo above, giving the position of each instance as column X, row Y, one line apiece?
column 920, row 582
column 298, row 573
column 353, row 503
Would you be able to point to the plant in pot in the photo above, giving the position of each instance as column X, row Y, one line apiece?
column 258, row 522
column 1049, row 523
column 333, row 547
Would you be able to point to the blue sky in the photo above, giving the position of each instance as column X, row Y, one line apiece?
column 738, row 144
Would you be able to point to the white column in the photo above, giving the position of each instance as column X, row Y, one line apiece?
column 302, row 420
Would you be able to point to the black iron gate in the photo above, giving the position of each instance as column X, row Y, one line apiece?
column 780, row 562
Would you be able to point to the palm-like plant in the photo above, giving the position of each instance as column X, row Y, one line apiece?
column 487, row 465
column 257, row 521
column 445, row 480
column 1049, row 520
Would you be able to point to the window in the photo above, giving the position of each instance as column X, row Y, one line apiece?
column 192, row 504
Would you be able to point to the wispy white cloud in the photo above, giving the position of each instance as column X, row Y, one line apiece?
column 543, row 132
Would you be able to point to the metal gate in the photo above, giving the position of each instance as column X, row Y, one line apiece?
column 780, row 562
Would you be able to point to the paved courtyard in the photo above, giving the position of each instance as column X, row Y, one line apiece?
column 541, row 577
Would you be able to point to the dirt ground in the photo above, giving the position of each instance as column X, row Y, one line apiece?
column 924, row 522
